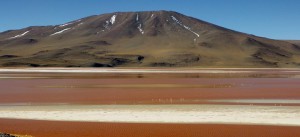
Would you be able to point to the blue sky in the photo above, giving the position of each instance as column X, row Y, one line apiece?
column 277, row 19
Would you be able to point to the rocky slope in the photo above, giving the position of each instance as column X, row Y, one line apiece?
column 142, row 39
column 297, row 42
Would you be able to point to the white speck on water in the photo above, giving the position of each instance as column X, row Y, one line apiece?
column 59, row 32
column 20, row 35
column 184, row 26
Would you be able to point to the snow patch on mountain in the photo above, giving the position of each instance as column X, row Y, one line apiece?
column 140, row 25
column 59, row 32
column 184, row 26
column 63, row 25
column 140, row 29
column 137, row 17
column 106, row 25
column 113, row 19
column 69, row 23
column 110, row 22
column 20, row 35
column 152, row 15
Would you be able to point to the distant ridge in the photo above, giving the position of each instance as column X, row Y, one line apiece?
column 297, row 42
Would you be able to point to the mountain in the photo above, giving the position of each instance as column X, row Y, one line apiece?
column 297, row 42
column 142, row 39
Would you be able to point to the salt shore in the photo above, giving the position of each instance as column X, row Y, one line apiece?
column 144, row 70
column 224, row 114
column 259, row 101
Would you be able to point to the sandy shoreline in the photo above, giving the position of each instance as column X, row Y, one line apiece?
column 226, row 114
column 144, row 70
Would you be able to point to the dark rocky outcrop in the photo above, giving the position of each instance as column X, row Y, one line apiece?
column 6, row 135
column 101, row 65
column 8, row 56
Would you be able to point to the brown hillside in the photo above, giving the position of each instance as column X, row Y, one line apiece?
column 142, row 39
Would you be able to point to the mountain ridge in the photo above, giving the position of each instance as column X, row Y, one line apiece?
column 142, row 39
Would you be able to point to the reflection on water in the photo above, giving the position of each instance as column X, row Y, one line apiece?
column 143, row 86
column 264, row 101
column 155, row 86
